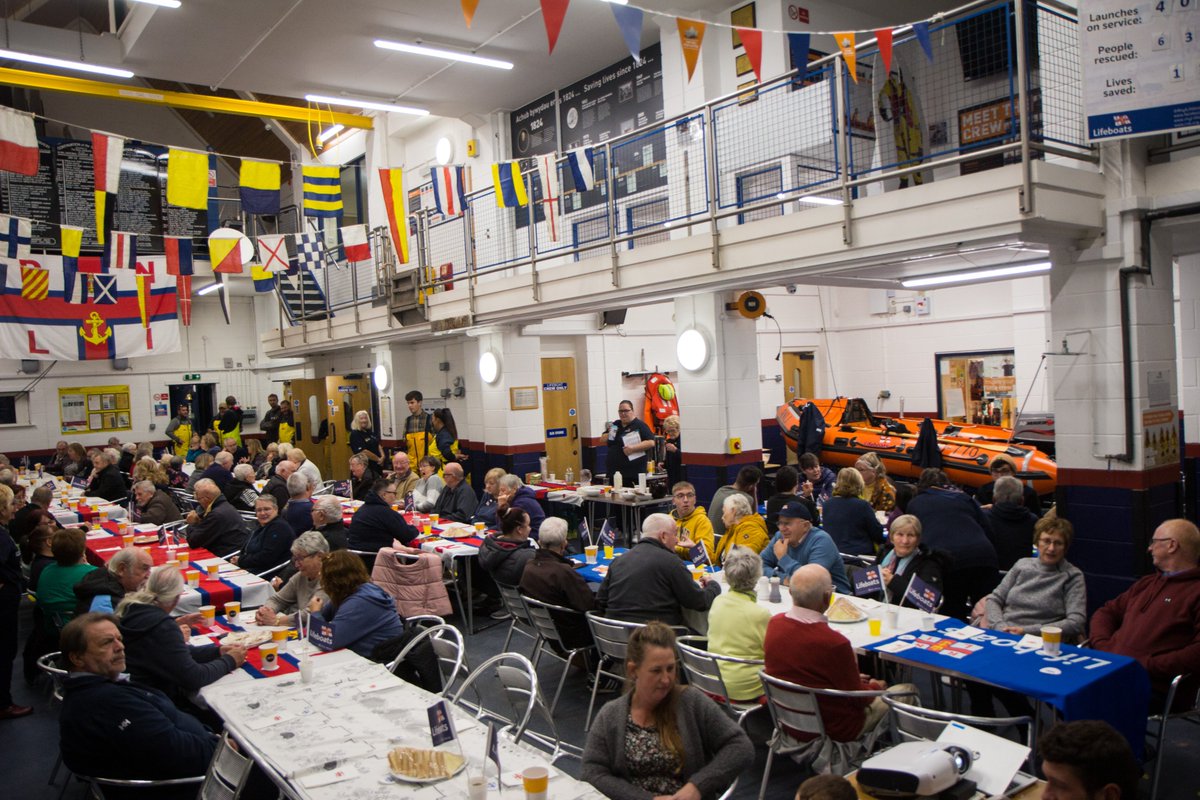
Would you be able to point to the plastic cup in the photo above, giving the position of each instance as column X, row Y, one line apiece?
column 126, row 539
column 306, row 669
column 476, row 787
column 427, row 529
column 928, row 623
column 893, row 618
column 535, row 780
column 697, row 573
column 608, row 551
column 72, row 503
column 1052, row 640
column 193, row 577
column 209, row 614
column 874, row 625
column 103, row 514
column 590, row 552
column 184, row 556
column 214, row 570
column 270, row 656
column 480, row 527
column 171, row 562
column 232, row 609
column 434, row 518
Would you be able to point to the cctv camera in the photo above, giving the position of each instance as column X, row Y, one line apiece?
column 791, row 288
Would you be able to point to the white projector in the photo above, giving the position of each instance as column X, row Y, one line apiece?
column 914, row 769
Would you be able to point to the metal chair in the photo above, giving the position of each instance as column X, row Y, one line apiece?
column 326, row 487
column 227, row 773
column 96, row 785
column 451, row 654
column 542, row 616
column 272, row 570
column 57, row 675
column 795, row 710
column 911, row 722
column 185, row 501
column 612, row 640
column 1157, row 724
column 703, row 670
column 424, row 620
column 172, row 532
column 514, row 604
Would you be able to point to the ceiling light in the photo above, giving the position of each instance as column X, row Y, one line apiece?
column 819, row 201
column 489, row 366
column 367, row 104
column 976, row 275
column 439, row 52
column 616, row 2
column 81, row 66
column 692, row 350
column 212, row 287
column 163, row 3
column 330, row 132
column 380, row 377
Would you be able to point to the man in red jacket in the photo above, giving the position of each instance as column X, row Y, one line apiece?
column 1157, row 620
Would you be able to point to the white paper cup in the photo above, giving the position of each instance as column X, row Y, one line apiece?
column 893, row 617
column 306, row 669
column 476, row 787
column 270, row 656
column 928, row 623
column 1052, row 640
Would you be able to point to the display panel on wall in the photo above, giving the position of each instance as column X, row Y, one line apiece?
column 61, row 193
column 977, row 388
column 94, row 409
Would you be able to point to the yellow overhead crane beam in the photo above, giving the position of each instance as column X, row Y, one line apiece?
column 196, row 102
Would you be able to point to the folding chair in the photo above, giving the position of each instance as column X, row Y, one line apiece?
column 703, row 670
column 612, row 640
column 542, row 615
column 514, row 604
column 913, row 722
column 1158, row 725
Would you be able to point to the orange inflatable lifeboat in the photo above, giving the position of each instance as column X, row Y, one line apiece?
column 967, row 450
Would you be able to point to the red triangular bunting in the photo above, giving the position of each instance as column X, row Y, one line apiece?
column 752, row 41
column 553, row 12
column 883, row 37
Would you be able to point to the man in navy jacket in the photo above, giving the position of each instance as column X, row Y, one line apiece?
column 375, row 524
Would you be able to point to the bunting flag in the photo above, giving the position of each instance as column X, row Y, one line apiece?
column 183, row 291
column 921, row 29
column 322, row 191
column 691, row 36
column 14, row 237
column 798, row 45
column 547, row 172
column 225, row 251
column 35, row 283
column 310, row 250
column 77, row 288
column 264, row 279
column 273, row 252
column 629, row 21
column 38, row 319
column 107, row 152
column 582, row 163
column 553, row 12
column 845, row 43
column 179, row 255
column 883, row 37
column 468, row 9
column 392, row 183
column 493, row 747
column 187, row 179
column 449, row 194
column 752, row 41
column 18, row 142
column 509, row 185
column 120, row 252
column 355, row 244
column 258, row 185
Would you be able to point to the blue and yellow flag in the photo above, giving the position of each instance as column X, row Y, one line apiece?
column 264, row 279
column 322, row 191
column 258, row 184
column 187, row 179
column 509, row 186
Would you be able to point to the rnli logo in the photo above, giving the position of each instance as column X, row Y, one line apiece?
column 1121, row 119
column 95, row 330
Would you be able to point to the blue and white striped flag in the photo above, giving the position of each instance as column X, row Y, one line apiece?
column 582, row 162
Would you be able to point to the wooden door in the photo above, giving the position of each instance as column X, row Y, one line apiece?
column 308, row 406
column 797, row 382
column 560, row 416
column 344, row 398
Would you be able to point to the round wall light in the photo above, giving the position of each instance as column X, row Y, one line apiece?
column 692, row 350
column 380, row 376
column 489, row 366
column 443, row 151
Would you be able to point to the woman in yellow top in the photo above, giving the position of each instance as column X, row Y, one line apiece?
column 691, row 520
column 742, row 527
column 877, row 490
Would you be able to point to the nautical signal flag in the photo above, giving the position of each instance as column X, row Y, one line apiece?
column 691, row 36
column 310, row 250
column 18, row 142
column 392, row 183
column 225, row 251
column 258, row 185
column 449, row 192
column 264, row 279
column 35, row 283
column 77, row 288
column 582, row 163
column 120, row 252
column 355, row 244
column 179, row 255
column 183, row 294
column 107, row 152
column 322, row 191
column 273, row 252
column 509, row 186
column 547, row 172
column 104, row 289
column 468, row 9
column 187, row 179
column 14, row 237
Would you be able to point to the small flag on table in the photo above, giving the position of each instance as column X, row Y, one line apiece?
column 187, row 179
column 585, row 533
column 18, row 142
column 699, row 555
column 392, row 183
column 355, row 244
column 582, row 163
column 509, row 185
column 258, row 185
column 608, row 535
column 493, row 746
column 107, row 152
column 341, row 489
column 441, row 724
column 867, row 581
column 922, row 595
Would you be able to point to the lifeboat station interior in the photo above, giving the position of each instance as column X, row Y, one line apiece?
column 729, row 229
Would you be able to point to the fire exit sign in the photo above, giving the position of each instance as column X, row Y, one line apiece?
column 194, row 376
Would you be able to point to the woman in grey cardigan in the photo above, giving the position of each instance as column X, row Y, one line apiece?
column 1042, row 591
column 661, row 738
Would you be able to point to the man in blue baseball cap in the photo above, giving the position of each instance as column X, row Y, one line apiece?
column 799, row 542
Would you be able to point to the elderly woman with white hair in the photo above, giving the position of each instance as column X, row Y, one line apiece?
column 363, row 440
column 240, row 490
column 107, row 481
column 308, row 552
column 737, row 624
column 515, row 494
column 155, row 651
column 743, row 527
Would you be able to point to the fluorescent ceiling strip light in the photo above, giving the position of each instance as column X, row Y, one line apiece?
column 616, row 2
column 367, row 104
column 976, row 275
column 163, row 3
column 438, row 52
column 330, row 132
column 212, row 287
column 819, row 201
column 81, row 66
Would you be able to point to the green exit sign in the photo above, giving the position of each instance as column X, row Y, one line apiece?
column 195, row 376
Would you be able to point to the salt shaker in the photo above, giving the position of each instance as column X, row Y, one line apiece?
column 774, row 596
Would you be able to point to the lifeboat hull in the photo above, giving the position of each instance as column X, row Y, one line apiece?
column 967, row 450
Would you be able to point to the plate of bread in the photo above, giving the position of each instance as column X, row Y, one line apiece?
column 417, row 765
column 845, row 612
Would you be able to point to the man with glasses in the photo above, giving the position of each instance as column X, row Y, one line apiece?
column 308, row 552
column 629, row 440
column 1157, row 620
column 375, row 524
column 691, row 520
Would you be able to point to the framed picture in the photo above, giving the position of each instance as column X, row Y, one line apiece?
column 977, row 388
column 122, row 400
column 110, row 421
column 106, row 402
column 747, row 97
column 522, row 398
column 743, row 65
column 742, row 17
column 95, row 422
column 123, row 419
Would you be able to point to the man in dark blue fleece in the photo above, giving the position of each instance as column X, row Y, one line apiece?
column 117, row 729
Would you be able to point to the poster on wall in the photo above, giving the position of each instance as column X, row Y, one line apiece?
column 1138, row 60
column 990, row 123
column 94, row 409
column 1160, row 437
column 977, row 388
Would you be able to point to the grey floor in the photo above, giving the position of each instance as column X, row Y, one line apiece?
column 29, row 745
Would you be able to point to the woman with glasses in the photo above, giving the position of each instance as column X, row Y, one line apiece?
column 629, row 444
column 308, row 552
column 271, row 541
